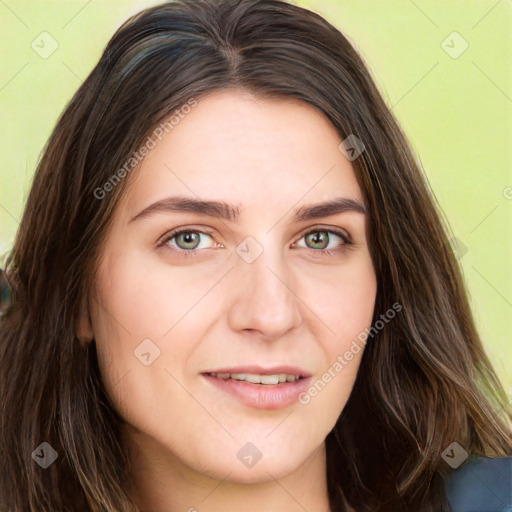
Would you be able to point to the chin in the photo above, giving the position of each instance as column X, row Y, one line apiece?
column 272, row 466
column 258, row 474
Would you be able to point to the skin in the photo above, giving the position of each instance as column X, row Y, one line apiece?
column 291, row 305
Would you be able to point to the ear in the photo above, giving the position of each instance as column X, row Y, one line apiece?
column 84, row 331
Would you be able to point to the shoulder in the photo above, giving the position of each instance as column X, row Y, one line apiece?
column 481, row 485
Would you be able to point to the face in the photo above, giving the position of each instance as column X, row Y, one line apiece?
column 275, row 292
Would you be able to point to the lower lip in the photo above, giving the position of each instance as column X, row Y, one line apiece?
column 261, row 396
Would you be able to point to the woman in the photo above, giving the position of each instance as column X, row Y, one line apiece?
column 231, row 287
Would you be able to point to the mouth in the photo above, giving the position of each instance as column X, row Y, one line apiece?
column 254, row 378
column 271, row 388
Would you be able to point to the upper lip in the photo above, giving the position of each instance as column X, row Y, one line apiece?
column 260, row 370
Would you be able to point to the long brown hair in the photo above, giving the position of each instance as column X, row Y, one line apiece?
column 424, row 380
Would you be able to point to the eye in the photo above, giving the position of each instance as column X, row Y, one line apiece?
column 320, row 238
column 185, row 240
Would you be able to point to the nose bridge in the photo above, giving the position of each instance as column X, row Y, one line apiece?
column 264, row 299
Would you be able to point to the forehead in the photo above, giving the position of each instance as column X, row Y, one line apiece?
column 246, row 150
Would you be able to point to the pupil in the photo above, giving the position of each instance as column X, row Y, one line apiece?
column 318, row 236
column 188, row 238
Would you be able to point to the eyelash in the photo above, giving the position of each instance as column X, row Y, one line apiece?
column 324, row 252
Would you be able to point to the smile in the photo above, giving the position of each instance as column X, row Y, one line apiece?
column 263, row 389
column 280, row 378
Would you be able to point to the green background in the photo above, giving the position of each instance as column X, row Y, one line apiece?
column 455, row 111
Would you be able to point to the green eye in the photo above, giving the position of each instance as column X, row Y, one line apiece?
column 185, row 239
column 319, row 240
column 190, row 240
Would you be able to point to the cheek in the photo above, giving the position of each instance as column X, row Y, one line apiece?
column 344, row 301
column 139, row 308
column 346, row 306
column 147, row 297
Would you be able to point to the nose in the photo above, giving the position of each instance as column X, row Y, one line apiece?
column 262, row 297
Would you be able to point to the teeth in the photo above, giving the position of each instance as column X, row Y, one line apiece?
column 270, row 379
column 257, row 379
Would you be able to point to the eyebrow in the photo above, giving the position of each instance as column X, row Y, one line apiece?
column 231, row 212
